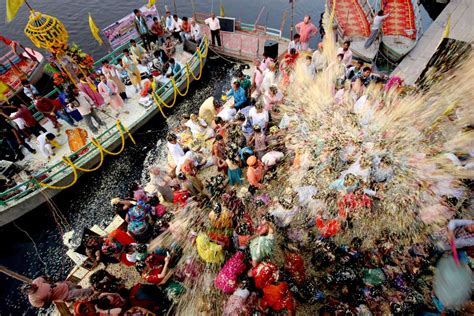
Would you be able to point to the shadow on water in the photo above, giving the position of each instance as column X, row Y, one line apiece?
column 87, row 203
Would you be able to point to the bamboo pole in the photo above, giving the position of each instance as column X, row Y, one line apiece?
column 14, row 275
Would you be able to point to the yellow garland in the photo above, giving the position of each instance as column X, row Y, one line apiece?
column 101, row 149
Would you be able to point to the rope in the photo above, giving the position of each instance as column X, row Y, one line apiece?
column 226, row 59
column 173, row 82
column 160, row 100
column 96, row 167
column 68, row 162
column 121, row 128
column 198, row 50
column 154, row 95
column 32, row 241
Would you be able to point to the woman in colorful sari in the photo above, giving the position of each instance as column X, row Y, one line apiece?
column 138, row 225
column 88, row 87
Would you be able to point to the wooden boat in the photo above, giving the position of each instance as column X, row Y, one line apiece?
column 246, row 42
column 16, row 67
column 29, row 194
column 401, row 30
column 352, row 19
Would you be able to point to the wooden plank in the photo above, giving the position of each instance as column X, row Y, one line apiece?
column 461, row 12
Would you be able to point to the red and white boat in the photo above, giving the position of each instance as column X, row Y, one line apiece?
column 18, row 64
column 352, row 19
column 401, row 30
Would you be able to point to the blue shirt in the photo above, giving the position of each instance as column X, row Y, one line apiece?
column 175, row 69
column 239, row 97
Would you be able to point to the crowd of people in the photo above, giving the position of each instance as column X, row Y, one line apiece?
column 95, row 96
column 280, row 199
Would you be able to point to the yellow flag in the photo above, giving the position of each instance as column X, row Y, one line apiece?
column 447, row 29
column 150, row 3
column 95, row 30
column 12, row 8
column 222, row 9
column 3, row 90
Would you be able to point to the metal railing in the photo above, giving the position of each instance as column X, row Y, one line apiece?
column 59, row 170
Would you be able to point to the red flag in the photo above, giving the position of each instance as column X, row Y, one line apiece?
column 8, row 42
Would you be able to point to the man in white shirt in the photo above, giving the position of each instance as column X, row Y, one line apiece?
column 346, row 51
column 84, row 104
column 169, row 21
column 215, row 28
column 375, row 28
column 196, row 35
column 175, row 149
column 44, row 144
column 295, row 43
column 175, row 27
column 258, row 116
column 318, row 59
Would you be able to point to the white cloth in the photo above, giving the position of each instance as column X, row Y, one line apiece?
column 261, row 119
column 378, row 21
column 272, row 157
column 294, row 45
column 227, row 114
column 85, row 103
column 44, row 147
column 176, row 25
column 19, row 121
column 213, row 23
column 196, row 32
column 319, row 60
column 199, row 129
column 268, row 80
column 347, row 59
column 176, row 151
column 282, row 216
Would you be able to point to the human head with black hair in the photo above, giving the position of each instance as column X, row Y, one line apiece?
column 133, row 42
column 171, row 61
column 126, row 52
column 175, row 17
column 172, row 138
column 296, row 37
column 50, row 136
column 380, row 13
column 346, row 45
column 184, row 18
column 137, row 12
column 235, row 85
column 366, row 71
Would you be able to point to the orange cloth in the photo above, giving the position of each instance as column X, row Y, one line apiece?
column 77, row 138
column 277, row 297
column 255, row 174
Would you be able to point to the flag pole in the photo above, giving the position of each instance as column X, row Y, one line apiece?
column 28, row 5
column 174, row 4
column 292, row 17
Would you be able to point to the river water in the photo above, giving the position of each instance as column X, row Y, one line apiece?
column 87, row 203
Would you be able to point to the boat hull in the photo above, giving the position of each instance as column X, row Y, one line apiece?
column 352, row 24
column 33, row 200
column 401, row 30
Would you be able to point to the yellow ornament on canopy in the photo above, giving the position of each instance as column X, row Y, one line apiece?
column 47, row 32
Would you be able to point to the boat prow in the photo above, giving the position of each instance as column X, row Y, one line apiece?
column 365, row 54
column 352, row 21
column 401, row 30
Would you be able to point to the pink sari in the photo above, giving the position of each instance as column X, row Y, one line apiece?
column 92, row 93
column 226, row 280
